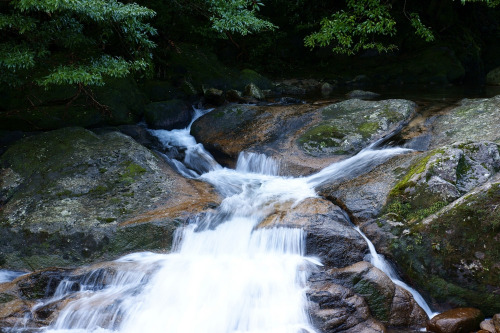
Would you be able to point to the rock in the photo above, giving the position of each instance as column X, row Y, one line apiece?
column 493, row 77
column 365, row 195
column 329, row 234
column 334, row 308
column 349, row 126
column 326, row 89
column 474, row 120
column 168, row 115
column 361, row 94
column 252, row 90
column 460, row 320
column 487, row 325
column 272, row 130
column 248, row 76
column 234, row 96
column 496, row 322
column 439, row 253
column 388, row 303
column 71, row 197
column 214, row 96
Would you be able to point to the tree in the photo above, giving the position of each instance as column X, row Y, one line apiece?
column 362, row 24
column 58, row 42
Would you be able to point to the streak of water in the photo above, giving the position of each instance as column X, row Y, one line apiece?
column 379, row 261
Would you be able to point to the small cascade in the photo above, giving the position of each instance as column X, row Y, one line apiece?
column 223, row 275
column 379, row 261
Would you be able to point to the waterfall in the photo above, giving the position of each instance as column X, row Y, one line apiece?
column 6, row 276
column 379, row 261
column 223, row 275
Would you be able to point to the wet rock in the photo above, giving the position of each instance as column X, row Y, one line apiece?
column 493, row 77
column 496, row 322
column 474, row 120
column 329, row 234
column 74, row 197
column 248, row 76
column 388, row 303
column 168, row 114
column 334, row 308
column 253, row 91
column 460, row 320
column 349, row 126
column 361, row 94
column 487, row 325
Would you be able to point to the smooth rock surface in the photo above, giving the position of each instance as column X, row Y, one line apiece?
column 460, row 320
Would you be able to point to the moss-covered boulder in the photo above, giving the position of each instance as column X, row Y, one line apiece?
column 473, row 120
column 493, row 77
column 349, row 126
column 444, row 215
column 168, row 114
column 70, row 196
column 248, row 76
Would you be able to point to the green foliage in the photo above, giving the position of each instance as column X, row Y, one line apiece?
column 356, row 28
column 237, row 16
column 54, row 42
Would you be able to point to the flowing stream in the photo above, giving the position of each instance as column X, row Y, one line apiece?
column 223, row 275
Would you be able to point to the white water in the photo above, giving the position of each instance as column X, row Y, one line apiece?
column 223, row 276
column 7, row 276
column 379, row 261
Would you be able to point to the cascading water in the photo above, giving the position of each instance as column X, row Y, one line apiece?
column 223, row 275
column 379, row 261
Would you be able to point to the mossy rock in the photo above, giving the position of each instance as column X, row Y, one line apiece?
column 453, row 255
column 349, row 126
column 248, row 76
column 71, row 189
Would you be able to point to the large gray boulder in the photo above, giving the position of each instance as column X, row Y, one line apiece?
column 70, row 196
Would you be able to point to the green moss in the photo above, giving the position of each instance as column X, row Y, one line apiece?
column 378, row 303
column 321, row 136
column 99, row 189
column 368, row 129
column 132, row 170
column 463, row 167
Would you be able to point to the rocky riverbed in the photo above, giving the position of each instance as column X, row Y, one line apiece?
column 72, row 197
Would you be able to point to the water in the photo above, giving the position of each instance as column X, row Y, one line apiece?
column 7, row 276
column 379, row 261
column 223, row 275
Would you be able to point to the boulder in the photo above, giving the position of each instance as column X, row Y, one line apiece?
column 71, row 196
column 248, row 76
column 474, row 120
column 214, row 96
column 453, row 253
column 496, row 322
column 334, row 308
column 349, row 126
column 326, row 89
column 460, row 320
column 493, row 77
column 388, row 303
column 487, row 325
column 168, row 114
column 329, row 234
column 303, row 137
column 251, row 90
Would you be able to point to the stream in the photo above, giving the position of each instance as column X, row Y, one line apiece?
column 223, row 274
